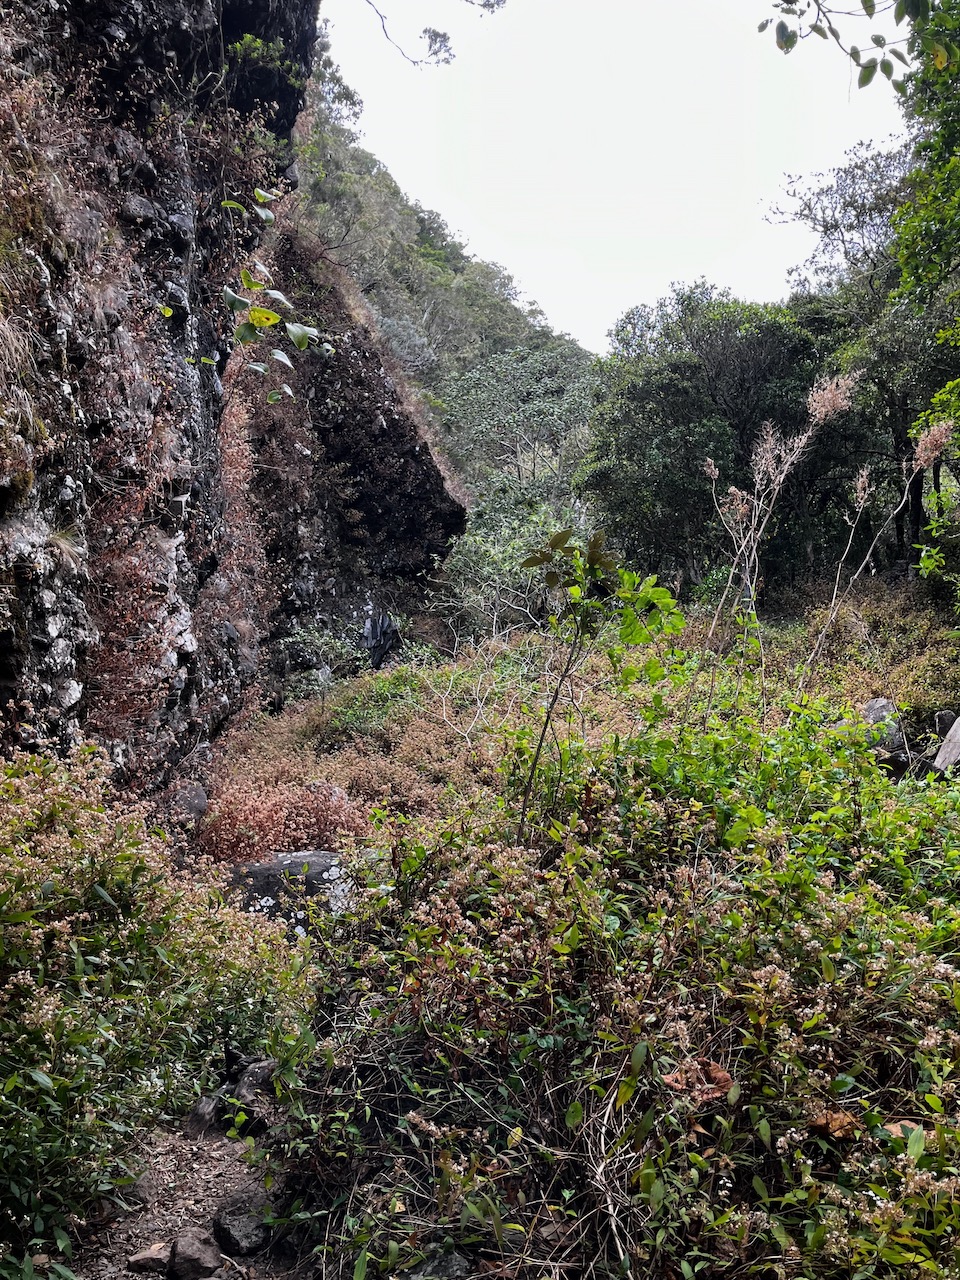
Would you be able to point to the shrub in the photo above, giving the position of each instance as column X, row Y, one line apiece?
column 703, row 1021
column 249, row 824
column 120, row 980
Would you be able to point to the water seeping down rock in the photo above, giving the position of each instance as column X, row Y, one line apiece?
column 160, row 523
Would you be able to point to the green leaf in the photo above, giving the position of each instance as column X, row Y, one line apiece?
column 102, row 894
column 246, row 332
column 232, row 204
column 274, row 396
column 733, row 1093
column 207, row 360
column 233, row 300
column 261, row 318
column 869, row 7
column 916, row 1144
column 249, row 282
column 277, row 296
column 42, row 1079
column 763, row 1128
column 867, row 72
column 886, row 68
column 638, row 1057
column 625, row 1092
column 257, row 366
column 167, row 312
column 266, row 216
column 574, row 1115
column 264, row 197
column 301, row 335
column 819, row 30
column 282, row 357
column 360, row 1267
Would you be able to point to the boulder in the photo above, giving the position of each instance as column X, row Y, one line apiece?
column 888, row 734
column 195, row 1255
column 278, row 888
column 943, row 722
column 249, row 1083
column 949, row 752
column 239, row 1226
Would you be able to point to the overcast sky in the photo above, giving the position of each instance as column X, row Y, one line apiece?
column 601, row 149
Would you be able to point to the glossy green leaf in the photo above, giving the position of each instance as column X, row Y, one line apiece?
column 233, row 300
column 261, row 318
column 301, row 335
column 249, row 281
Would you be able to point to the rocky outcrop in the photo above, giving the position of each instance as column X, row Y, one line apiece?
column 159, row 523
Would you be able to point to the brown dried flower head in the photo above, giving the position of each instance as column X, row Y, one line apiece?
column 932, row 444
column 830, row 396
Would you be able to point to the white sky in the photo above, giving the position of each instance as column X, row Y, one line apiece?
column 601, row 149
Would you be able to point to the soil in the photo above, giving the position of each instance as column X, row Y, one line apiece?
column 183, row 1182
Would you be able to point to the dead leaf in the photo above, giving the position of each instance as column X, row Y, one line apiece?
column 904, row 1128
column 704, row 1080
column 835, row 1124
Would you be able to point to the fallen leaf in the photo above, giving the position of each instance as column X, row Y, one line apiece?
column 835, row 1124
column 704, row 1080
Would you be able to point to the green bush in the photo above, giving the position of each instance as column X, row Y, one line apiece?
column 703, row 1021
column 120, row 980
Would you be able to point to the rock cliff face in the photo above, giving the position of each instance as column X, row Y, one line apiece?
column 160, row 521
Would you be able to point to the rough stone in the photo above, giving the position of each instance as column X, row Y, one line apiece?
column 277, row 889
column 189, row 802
column 154, row 1259
column 139, row 210
column 447, row 1266
column 882, row 714
column 194, row 1255
column 949, row 752
column 239, row 1226
column 943, row 721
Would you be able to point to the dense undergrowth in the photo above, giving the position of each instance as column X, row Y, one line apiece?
column 669, row 989
column 120, row 983
column 702, row 1019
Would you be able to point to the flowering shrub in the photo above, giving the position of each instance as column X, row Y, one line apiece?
column 120, row 981
column 702, row 1021
column 249, row 824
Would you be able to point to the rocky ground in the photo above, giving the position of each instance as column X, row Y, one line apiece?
column 184, row 1185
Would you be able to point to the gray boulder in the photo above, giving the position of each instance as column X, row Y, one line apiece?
column 881, row 713
column 239, row 1226
column 949, row 752
column 278, row 888
column 195, row 1255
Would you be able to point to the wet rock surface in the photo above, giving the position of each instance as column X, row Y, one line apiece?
column 160, row 529
column 279, row 888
